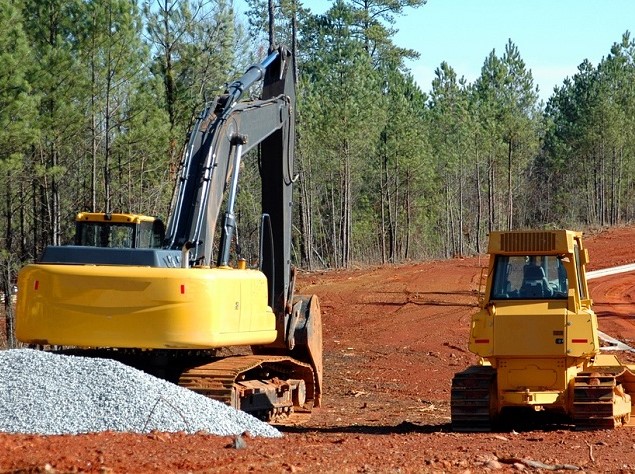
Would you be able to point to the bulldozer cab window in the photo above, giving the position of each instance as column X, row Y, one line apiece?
column 529, row 277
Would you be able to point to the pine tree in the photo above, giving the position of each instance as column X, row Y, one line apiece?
column 52, row 27
column 507, row 99
column 17, row 133
column 193, row 44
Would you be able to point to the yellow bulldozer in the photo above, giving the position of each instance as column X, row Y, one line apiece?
column 537, row 338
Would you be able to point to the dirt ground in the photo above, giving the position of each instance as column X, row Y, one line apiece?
column 393, row 338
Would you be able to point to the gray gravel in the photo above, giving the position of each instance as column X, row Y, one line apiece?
column 45, row 393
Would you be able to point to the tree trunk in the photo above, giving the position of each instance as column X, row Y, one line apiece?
column 449, row 244
column 107, row 131
column 334, row 234
column 8, row 218
column 408, row 218
column 93, row 131
column 510, row 203
column 391, row 219
column 272, row 31
column 348, row 214
column 490, row 194
column 6, row 288
column 461, row 240
column 306, row 211
column 383, row 189
column 35, row 232
column 56, row 229
column 479, row 199
column 22, row 221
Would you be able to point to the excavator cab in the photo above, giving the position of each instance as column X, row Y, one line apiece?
column 94, row 229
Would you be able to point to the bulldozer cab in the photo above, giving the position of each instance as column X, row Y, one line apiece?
column 535, row 265
column 118, row 230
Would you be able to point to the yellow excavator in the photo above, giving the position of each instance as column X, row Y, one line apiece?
column 154, row 296
column 537, row 337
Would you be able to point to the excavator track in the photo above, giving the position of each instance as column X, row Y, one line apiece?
column 276, row 389
column 471, row 399
column 599, row 401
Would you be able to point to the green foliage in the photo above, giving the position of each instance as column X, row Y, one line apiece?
column 17, row 102
column 193, row 44
column 18, row 123
column 96, row 98
column 507, row 103
column 591, row 127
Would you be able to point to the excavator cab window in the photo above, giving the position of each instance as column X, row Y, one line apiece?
column 91, row 234
column 105, row 234
column 145, row 234
column 529, row 277
column 150, row 234
column 121, row 236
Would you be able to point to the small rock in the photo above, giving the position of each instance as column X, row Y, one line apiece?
column 494, row 465
column 238, row 443
column 487, row 457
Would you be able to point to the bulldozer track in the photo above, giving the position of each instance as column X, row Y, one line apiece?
column 232, row 378
column 470, row 399
column 596, row 400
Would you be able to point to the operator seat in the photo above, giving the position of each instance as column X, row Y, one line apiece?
column 534, row 282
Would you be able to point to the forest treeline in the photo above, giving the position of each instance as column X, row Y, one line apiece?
column 96, row 98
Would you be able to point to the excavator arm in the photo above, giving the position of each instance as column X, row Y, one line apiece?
column 209, row 168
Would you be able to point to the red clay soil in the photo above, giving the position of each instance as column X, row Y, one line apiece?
column 393, row 338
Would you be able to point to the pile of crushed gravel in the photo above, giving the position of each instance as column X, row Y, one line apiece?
column 45, row 393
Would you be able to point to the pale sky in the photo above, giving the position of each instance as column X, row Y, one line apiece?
column 553, row 36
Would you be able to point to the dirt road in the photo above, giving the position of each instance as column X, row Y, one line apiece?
column 394, row 337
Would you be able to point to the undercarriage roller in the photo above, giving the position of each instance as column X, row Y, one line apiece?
column 599, row 402
column 276, row 389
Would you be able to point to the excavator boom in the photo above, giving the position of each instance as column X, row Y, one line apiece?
column 224, row 131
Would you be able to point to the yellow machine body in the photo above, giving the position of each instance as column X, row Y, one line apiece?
column 143, row 307
column 537, row 336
